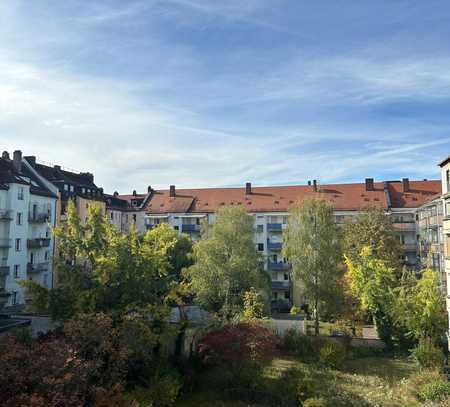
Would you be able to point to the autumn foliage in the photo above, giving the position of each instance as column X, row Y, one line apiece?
column 239, row 344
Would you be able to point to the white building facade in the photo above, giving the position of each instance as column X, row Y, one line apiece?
column 27, row 213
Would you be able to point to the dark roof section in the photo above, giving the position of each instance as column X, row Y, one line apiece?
column 9, row 174
column 441, row 164
column 83, row 182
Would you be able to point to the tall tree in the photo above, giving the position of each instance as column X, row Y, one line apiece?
column 374, row 229
column 312, row 246
column 226, row 263
column 371, row 282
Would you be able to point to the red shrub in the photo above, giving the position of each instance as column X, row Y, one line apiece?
column 239, row 344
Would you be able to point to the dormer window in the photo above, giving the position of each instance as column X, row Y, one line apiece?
column 83, row 190
column 66, row 187
column 72, row 189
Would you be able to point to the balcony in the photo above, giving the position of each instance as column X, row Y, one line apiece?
column 279, row 266
column 37, row 243
column 4, row 270
column 150, row 227
column 36, row 268
column 280, row 305
column 187, row 228
column 275, row 246
column 5, row 243
column 405, row 226
column 409, row 247
column 274, row 227
column 5, row 215
column 38, row 217
column 281, row 285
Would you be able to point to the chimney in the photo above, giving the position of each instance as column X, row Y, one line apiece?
column 17, row 160
column 248, row 188
column 149, row 189
column 134, row 192
column 57, row 167
column 31, row 160
column 5, row 155
column 405, row 184
column 115, row 194
column 309, row 182
column 315, row 185
column 369, row 184
column 172, row 191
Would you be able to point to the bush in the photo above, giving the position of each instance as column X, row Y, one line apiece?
column 427, row 355
column 253, row 305
column 296, row 343
column 296, row 310
column 435, row 391
column 332, row 354
column 315, row 402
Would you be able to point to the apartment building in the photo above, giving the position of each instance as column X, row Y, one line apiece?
column 445, row 179
column 27, row 212
column 185, row 209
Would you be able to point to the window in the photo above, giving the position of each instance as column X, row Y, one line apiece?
column 260, row 247
column 286, row 276
column 176, row 227
column 46, row 256
column 14, row 298
column 18, row 245
column 20, row 194
column 112, row 215
column 19, row 218
column 45, row 280
column 287, row 295
column 83, row 190
column 448, row 180
column 134, row 217
column 66, row 187
column 259, row 228
column 16, row 270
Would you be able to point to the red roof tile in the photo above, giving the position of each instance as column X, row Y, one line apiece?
column 419, row 193
column 265, row 199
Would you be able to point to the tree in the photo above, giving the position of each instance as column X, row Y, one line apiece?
column 226, row 263
column 103, row 270
column 312, row 246
column 419, row 306
column 371, row 282
column 374, row 229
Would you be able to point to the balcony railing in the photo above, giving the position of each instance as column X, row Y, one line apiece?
column 37, row 267
column 38, row 217
column 190, row 228
column 276, row 246
column 279, row 266
column 409, row 247
column 4, row 270
column 281, row 285
column 5, row 214
column 37, row 243
column 5, row 243
column 405, row 226
column 280, row 305
column 274, row 227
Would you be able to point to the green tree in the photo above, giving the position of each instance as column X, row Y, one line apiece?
column 371, row 282
column 226, row 263
column 374, row 229
column 419, row 306
column 312, row 246
column 103, row 270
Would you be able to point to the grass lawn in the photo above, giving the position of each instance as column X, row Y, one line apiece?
column 370, row 381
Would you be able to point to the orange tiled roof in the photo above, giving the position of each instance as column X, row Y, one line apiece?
column 265, row 199
column 419, row 193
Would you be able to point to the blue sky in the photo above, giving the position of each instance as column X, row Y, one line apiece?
column 216, row 93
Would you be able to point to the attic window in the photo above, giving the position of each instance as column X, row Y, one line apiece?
column 276, row 202
column 367, row 199
column 291, row 202
column 249, row 202
column 376, row 199
column 222, row 203
column 161, row 205
column 206, row 203
column 414, row 198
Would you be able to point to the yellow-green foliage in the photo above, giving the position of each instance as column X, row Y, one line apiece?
column 253, row 305
column 314, row 402
column 332, row 354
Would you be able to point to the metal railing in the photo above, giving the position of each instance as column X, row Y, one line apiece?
column 38, row 242
column 5, row 214
column 190, row 228
column 278, row 266
column 37, row 267
column 41, row 217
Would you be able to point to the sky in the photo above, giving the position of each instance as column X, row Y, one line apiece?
column 202, row 93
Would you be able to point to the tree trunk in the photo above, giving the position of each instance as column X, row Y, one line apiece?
column 316, row 319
